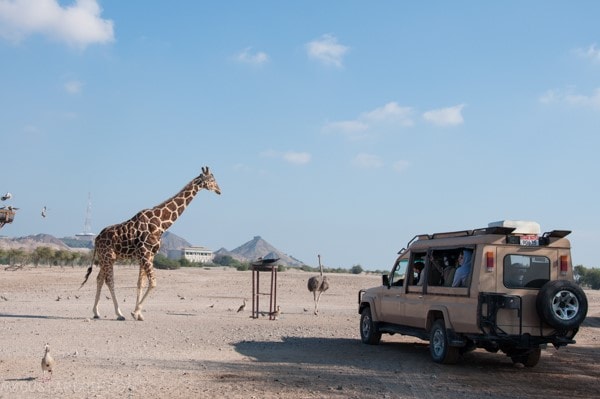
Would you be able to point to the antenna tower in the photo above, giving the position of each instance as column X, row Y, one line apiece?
column 87, row 234
column 87, row 225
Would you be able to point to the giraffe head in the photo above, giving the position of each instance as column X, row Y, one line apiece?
column 207, row 181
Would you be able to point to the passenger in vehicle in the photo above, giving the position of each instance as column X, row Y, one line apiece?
column 418, row 268
column 445, row 269
column 465, row 260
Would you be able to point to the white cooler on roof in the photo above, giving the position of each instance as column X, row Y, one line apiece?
column 521, row 226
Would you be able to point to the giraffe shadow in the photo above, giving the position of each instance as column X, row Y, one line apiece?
column 21, row 379
column 34, row 316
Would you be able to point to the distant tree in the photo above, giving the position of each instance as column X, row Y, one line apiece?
column 356, row 269
column 223, row 260
column 592, row 278
column 42, row 255
column 16, row 256
column 587, row 277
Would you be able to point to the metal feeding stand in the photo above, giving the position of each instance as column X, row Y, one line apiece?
column 264, row 265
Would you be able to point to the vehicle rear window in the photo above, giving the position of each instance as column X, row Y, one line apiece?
column 526, row 271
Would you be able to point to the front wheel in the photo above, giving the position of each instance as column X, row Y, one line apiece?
column 369, row 333
column 440, row 351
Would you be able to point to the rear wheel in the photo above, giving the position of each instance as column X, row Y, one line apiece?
column 529, row 358
column 440, row 351
column 369, row 333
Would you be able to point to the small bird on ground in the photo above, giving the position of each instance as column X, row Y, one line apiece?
column 276, row 313
column 47, row 363
column 243, row 306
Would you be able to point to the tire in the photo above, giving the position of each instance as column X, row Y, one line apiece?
column 439, row 349
column 369, row 333
column 562, row 304
column 528, row 358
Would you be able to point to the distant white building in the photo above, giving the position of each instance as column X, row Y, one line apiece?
column 193, row 254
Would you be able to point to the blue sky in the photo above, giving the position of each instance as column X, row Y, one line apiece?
column 340, row 128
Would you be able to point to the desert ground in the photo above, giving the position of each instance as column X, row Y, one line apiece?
column 194, row 344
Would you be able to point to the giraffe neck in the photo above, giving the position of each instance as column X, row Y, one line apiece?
column 169, row 210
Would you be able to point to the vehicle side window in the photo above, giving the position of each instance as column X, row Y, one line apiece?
column 525, row 271
column 443, row 266
column 418, row 270
column 399, row 273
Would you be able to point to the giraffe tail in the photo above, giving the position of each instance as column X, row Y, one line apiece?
column 89, row 270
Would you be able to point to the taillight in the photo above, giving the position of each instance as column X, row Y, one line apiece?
column 489, row 261
column 564, row 265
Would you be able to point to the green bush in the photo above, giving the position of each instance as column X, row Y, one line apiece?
column 162, row 262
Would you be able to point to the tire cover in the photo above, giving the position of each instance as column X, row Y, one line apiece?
column 562, row 304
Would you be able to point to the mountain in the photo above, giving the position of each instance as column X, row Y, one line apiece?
column 171, row 241
column 30, row 243
column 259, row 248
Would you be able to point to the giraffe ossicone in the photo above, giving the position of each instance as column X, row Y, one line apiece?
column 139, row 238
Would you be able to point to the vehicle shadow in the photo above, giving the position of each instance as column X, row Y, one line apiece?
column 331, row 351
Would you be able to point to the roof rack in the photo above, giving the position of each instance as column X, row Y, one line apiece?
column 557, row 233
column 466, row 233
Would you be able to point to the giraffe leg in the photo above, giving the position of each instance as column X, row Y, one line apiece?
column 110, row 282
column 149, row 272
column 99, row 283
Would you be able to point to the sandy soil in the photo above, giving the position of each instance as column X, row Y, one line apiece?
column 194, row 343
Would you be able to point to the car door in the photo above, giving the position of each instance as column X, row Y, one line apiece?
column 392, row 297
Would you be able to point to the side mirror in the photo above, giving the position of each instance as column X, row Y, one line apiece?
column 385, row 280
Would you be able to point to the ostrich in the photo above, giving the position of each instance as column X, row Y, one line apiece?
column 318, row 285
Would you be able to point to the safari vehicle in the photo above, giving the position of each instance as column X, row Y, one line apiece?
column 517, row 296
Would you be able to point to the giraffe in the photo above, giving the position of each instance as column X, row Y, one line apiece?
column 139, row 238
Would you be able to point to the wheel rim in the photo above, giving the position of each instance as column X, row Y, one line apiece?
column 437, row 343
column 366, row 326
column 565, row 305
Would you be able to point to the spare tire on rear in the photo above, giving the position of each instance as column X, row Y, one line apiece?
column 562, row 304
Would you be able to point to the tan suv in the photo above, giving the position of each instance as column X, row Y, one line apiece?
column 505, row 287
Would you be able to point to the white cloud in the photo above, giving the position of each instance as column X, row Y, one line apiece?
column 254, row 58
column 353, row 129
column 78, row 25
column 400, row 166
column 293, row 157
column 367, row 161
column 570, row 97
column 592, row 53
column 390, row 112
column 391, row 115
column 73, row 87
column 327, row 50
column 298, row 158
column 450, row 116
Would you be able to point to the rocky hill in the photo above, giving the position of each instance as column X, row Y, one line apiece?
column 259, row 248
column 30, row 243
